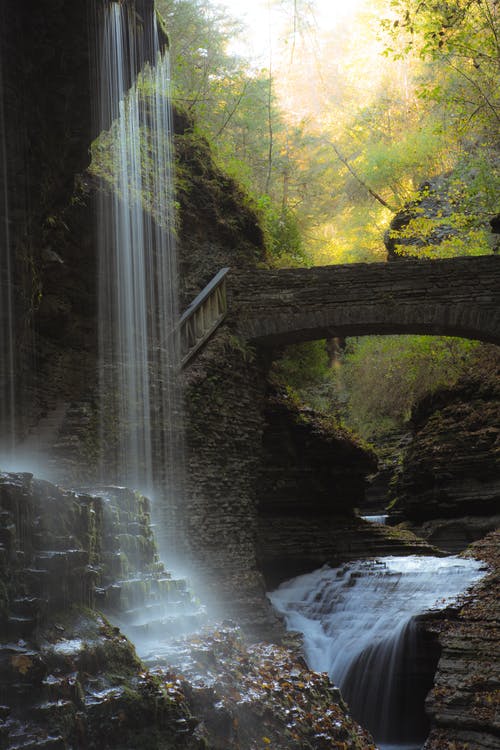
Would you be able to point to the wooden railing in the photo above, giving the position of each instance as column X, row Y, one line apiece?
column 203, row 316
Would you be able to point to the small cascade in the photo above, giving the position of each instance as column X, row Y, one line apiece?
column 139, row 357
column 360, row 624
column 91, row 547
column 136, row 591
column 377, row 518
column 63, row 555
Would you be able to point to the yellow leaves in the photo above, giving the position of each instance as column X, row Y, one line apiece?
column 22, row 663
column 266, row 740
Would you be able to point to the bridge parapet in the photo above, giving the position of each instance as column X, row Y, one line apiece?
column 451, row 297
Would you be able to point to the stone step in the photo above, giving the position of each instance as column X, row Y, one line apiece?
column 28, row 606
column 147, row 591
column 20, row 626
column 157, row 610
column 33, row 741
column 54, row 712
column 174, row 625
column 62, row 686
column 57, row 543
column 59, row 562
column 18, row 661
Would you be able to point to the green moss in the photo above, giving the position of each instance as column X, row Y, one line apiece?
column 237, row 344
column 163, row 28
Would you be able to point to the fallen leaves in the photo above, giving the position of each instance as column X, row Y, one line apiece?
column 21, row 663
column 261, row 695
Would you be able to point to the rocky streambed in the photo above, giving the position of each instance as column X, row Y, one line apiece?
column 248, row 696
column 69, row 678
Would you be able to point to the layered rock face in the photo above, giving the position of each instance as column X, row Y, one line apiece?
column 218, row 227
column 48, row 86
column 312, row 479
column 225, row 392
column 464, row 702
column 68, row 678
column 449, row 487
column 61, row 548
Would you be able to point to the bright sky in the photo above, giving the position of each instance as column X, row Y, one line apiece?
column 255, row 14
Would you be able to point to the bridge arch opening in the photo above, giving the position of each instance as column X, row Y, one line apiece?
column 365, row 379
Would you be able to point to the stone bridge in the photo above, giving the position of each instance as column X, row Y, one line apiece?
column 452, row 297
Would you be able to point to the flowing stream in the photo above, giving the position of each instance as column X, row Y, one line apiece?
column 359, row 625
column 139, row 356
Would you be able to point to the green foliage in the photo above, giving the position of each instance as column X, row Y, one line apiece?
column 304, row 371
column 236, row 110
column 382, row 377
column 302, row 365
column 462, row 40
column 282, row 234
column 455, row 220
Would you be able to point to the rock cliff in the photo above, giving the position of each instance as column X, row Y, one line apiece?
column 311, row 482
column 69, row 678
column 448, row 486
column 463, row 705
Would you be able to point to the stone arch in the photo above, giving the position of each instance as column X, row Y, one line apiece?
column 453, row 297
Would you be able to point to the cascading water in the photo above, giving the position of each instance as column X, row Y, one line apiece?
column 139, row 356
column 7, row 379
column 359, row 626
column 378, row 518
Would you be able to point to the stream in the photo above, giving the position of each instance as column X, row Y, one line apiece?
column 360, row 624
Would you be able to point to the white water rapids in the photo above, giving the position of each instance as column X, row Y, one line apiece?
column 358, row 625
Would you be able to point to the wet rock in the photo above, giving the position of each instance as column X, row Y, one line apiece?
column 463, row 704
column 258, row 695
column 86, row 690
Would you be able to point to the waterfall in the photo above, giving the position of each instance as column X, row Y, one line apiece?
column 7, row 336
column 359, row 625
column 378, row 518
column 140, row 400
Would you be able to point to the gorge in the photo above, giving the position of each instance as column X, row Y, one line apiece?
column 263, row 493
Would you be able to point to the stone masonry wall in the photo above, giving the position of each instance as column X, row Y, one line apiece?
column 224, row 402
column 452, row 297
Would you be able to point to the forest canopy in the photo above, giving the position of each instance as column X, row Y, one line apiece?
column 342, row 127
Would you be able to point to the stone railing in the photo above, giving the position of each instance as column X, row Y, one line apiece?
column 203, row 316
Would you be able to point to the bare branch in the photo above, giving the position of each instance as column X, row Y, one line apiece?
column 361, row 182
